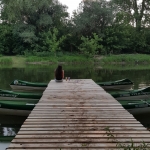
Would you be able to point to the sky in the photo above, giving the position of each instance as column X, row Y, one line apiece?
column 72, row 4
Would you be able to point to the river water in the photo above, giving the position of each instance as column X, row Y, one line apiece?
column 10, row 125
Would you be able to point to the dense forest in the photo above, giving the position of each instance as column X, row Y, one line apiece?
column 97, row 27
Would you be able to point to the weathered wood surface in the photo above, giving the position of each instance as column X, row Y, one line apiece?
column 78, row 114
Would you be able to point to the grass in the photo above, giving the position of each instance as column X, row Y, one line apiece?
column 125, row 66
column 122, row 62
column 64, row 58
column 5, row 61
column 127, row 145
column 127, row 59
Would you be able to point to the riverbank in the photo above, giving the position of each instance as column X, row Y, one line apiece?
column 65, row 59
column 124, row 59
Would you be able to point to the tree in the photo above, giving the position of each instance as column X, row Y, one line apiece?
column 93, row 17
column 139, row 13
column 90, row 46
column 51, row 42
column 6, row 39
column 33, row 17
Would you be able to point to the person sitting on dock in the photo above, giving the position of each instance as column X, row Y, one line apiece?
column 59, row 74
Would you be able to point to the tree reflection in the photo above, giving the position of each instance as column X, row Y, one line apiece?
column 9, row 131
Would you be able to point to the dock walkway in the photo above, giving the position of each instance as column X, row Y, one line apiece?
column 75, row 115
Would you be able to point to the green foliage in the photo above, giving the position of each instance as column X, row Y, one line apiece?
column 6, row 39
column 4, row 61
column 30, row 18
column 90, row 46
column 127, row 58
column 102, row 27
column 75, row 59
column 125, row 146
column 136, row 12
column 36, row 59
column 51, row 42
column 139, row 42
column 93, row 17
column 116, row 39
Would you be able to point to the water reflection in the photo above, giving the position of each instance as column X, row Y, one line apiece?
column 9, row 131
column 144, row 118
column 4, row 145
column 9, row 126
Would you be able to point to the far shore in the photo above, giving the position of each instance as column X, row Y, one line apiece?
column 123, row 59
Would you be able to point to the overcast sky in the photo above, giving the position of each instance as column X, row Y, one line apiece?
column 72, row 4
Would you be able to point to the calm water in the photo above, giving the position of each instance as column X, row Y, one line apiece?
column 10, row 125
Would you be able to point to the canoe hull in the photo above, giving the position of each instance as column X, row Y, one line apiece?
column 27, row 88
column 136, row 111
column 133, row 97
column 117, row 87
column 5, row 111
column 17, row 98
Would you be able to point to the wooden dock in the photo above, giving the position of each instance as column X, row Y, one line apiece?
column 75, row 115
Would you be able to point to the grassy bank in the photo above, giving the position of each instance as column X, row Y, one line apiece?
column 112, row 60
column 21, row 61
column 127, row 59
column 12, row 61
column 78, row 59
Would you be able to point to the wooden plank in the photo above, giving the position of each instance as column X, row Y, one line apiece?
column 80, row 125
column 79, row 140
column 69, row 136
column 100, row 101
column 77, row 95
column 78, row 109
column 68, row 128
column 78, row 117
column 64, row 110
column 80, row 100
column 79, row 121
column 76, row 114
column 89, row 133
column 78, row 104
column 66, row 145
column 72, row 113
column 83, row 148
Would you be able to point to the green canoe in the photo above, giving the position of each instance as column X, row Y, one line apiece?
column 118, row 84
column 143, row 93
column 6, row 138
column 11, row 95
column 25, row 85
column 19, row 108
column 136, row 106
column 34, row 86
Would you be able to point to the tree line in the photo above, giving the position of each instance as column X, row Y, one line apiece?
column 97, row 27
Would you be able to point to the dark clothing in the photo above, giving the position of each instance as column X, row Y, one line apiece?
column 58, row 75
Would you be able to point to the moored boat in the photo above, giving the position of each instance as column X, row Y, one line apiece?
column 6, row 138
column 18, row 108
column 27, row 86
column 11, row 95
column 143, row 93
column 19, row 85
column 118, row 84
column 136, row 106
